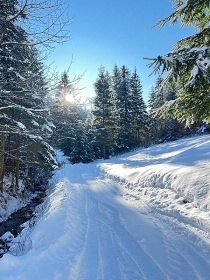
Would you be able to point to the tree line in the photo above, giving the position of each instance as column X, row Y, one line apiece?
column 119, row 121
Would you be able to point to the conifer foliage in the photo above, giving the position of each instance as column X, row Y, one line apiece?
column 188, row 64
column 123, row 105
column 161, row 129
column 139, row 115
column 103, row 124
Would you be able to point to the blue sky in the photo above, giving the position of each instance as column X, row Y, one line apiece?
column 109, row 32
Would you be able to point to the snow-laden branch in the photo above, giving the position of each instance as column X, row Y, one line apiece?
column 190, row 12
column 193, row 63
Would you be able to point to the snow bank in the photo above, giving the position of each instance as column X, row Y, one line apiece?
column 8, row 203
column 172, row 178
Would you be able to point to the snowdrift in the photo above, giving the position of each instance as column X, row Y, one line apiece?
column 172, row 178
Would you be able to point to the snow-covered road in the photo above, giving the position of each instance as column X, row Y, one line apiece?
column 112, row 240
column 96, row 227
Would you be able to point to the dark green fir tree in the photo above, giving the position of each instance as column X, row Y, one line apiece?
column 103, row 122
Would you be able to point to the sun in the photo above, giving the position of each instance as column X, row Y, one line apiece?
column 69, row 98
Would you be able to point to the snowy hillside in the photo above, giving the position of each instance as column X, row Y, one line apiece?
column 143, row 215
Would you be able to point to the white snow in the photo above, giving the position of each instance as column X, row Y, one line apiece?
column 181, row 7
column 21, row 125
column 8, row 203
column 143, row 215
column 46, row 127
column 8, row 236
column 19, row 76
column 35, row 123
column 194, row 72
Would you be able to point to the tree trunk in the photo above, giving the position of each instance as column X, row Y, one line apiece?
column 17, row 164
column 2, row 156
column 104, row 151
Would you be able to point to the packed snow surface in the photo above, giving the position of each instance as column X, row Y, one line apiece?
column 143, row 215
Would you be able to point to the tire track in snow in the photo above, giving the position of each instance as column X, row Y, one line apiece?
column 177, row 262
column 126, row 260
column 196, row 268
column 89, row 258
column 118, row 262
column 95, row 260
column 102, row 246
column 183, row 257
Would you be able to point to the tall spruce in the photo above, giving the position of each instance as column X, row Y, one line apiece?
column 103, row 123
column 116, row 79
column 139, row 115
column 123, row 105
column 71, row 133
column 82, row 150
column 157, row 123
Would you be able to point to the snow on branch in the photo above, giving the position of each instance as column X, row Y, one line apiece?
column 194, row 62
column 191, row 12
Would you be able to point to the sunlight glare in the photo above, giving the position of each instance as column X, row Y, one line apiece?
column 69, row 98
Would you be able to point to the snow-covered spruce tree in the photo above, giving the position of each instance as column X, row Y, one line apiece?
column 103, row 123
column 116, row 80
column 188, row 64
column 82, row 150
column 139, row 115
column 123, row 105
column 23, row 116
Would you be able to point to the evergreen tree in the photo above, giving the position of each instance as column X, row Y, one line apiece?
column 123, row 105
column 139, row 116
column 116, row 80
column 82, row 150
column 102, row 113
column 188, row 65
column 152, row 99
column 120, row 119
column 65, row 92
column 157, row 123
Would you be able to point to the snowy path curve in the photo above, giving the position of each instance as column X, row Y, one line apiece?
column 91, row 232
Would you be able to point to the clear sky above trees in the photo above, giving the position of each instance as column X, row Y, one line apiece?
column 105, row 32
